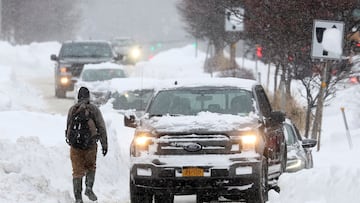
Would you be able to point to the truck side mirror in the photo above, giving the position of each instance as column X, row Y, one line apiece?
column 309, row 143
column 130, row 121
column 53, row 57
column 118, row 57
column 277, row 117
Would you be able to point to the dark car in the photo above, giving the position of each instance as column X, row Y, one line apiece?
column 216, row 138
column 135, row 100
column 299, row 154
column 73, row 56
column 128, row 49
column 132, row 94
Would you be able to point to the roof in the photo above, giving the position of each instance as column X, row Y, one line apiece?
column 86, row 41
column 136, row 83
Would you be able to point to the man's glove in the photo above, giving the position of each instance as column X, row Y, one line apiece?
column 66, row 138
column 104, row 151
column 67, row 141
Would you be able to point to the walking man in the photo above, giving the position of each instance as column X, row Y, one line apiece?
column 83, row 142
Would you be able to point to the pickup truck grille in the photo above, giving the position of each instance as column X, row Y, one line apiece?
column 76, row 69
column 194, row 144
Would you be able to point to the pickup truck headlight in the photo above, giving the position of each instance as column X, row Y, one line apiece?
column 248, row 142
column 142, row 140
column 141, row 143
column 135, row 53
column 64, row 80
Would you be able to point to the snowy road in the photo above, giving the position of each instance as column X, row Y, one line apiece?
column 54, row 105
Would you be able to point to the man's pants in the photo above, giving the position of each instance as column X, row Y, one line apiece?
column 83, row 160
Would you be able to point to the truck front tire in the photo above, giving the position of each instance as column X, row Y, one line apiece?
column 139, row 195
column 59, row 93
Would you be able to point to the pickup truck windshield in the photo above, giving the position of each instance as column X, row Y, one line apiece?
column 86, row 50
column 192, row 101
column 91, row 75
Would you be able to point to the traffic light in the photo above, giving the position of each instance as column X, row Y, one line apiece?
column 259, row 52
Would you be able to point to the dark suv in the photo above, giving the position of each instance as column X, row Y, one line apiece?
column 71, row 59
column 217, row 138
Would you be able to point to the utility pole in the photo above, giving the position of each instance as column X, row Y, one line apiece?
column 316, row 131
column 232, row 57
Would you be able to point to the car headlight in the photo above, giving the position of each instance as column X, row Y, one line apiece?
column 135, row 53
column 248, row 142
column 295, row 165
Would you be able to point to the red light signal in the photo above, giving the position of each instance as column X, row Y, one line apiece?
column 259, row 52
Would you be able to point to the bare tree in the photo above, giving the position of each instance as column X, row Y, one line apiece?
column 206, row 20
column 39, row 20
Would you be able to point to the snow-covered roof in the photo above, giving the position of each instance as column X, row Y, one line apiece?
column 86, row 41
column 216, row 82
column 106, row 65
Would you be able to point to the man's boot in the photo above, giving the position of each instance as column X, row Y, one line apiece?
column 77, row 184
column 89, row 182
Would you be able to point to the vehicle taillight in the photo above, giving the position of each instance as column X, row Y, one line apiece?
column 354, row 80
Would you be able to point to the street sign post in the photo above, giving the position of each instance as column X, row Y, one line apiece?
column 320, row 27
column 234, row 19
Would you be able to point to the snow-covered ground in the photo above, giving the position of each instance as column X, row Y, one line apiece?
column 34, row 160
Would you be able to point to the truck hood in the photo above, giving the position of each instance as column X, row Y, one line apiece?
column 202, row 122
column 85, row 60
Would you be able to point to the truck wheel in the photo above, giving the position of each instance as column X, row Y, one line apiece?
column 260, row 194
column 202, row 198
column 139, row 195
column 60, row 93
column 164, row 198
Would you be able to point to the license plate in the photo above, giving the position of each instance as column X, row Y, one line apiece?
column 192, row 172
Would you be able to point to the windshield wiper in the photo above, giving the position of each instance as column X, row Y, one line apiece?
column 155, row 115
column 176, row 115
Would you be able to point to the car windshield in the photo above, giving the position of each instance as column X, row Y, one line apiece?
column 85, row 50
column 191, row 101
column 134, row 99
column 91, row 75
column 123, row 42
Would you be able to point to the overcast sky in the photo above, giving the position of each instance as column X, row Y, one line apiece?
column 144, row 20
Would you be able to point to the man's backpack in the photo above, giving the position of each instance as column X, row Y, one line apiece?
column 80, row 135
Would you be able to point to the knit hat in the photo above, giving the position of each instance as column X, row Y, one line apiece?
column 83, row 93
